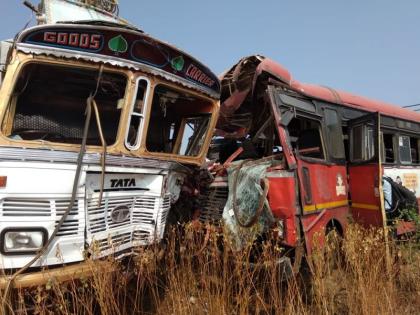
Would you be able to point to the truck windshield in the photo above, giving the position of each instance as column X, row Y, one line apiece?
column 179, row 122
column 49, row 102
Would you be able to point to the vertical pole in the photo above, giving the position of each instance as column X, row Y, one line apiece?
column 381, row 196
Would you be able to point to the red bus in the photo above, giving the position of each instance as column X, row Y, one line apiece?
column 333, row 155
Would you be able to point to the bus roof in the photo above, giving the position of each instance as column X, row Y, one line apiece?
column 120, row 46
column 355, row 101
column 260, row 64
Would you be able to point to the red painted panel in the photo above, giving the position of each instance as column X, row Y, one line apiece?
column 364, row 192
column 328, row 182
column 315, row 233
column 404, row 227
column 355, row 101
column 282, row 196
column 272, row 67
column 328, row 187
column 282, row 199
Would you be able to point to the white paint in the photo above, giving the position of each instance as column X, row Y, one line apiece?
column 35, row 188
column 340, row 188
column 64, row 10
column 408, row 176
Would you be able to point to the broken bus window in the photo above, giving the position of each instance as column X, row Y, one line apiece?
column 305, row 137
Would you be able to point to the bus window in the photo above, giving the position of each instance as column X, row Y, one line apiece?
column 178, row 122
column 370, row 143
column 362, row 143
column 404, row 149
column 136, row 120
column 335, row 134
column 415, row 150
column 388, row 152
column 305, row 137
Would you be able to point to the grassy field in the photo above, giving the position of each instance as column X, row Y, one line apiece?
column 185, row 277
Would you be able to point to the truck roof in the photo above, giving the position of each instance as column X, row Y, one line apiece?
column 98, row 41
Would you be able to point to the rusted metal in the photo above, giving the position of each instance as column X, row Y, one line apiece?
column 118, row 148
column 287, row 149
column 259, row 94
column 58, row 275
column 241, row 79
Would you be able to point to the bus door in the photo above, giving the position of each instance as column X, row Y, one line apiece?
column 322, row 175
column 317, row 157
column 365, row 171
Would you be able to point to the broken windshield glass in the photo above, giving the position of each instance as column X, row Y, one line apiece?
column 179, row 122
column 48, row 103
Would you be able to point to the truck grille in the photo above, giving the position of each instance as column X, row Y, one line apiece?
column 26, row 207
column 53, row 208
column 143, row 210
column 114, row 243
column 144, row 224
column 213, row 200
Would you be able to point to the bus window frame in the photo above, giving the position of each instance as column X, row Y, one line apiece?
column 319, row 121
column 386, row 131
column 365, row 120
column 364, row 144
column 405, row 163
column 417, row 139
column 328, row 136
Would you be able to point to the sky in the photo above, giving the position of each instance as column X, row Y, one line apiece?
column 366, row 47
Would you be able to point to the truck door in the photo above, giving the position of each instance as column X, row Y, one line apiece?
column 365, row 171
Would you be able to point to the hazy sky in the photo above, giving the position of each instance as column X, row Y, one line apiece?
column 367, row 47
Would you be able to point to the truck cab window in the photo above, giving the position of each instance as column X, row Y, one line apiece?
column 179, row 122
column 193, row 135
column 48, row 103
column 136, row 120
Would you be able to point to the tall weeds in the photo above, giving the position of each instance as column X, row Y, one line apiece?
column 196, row 272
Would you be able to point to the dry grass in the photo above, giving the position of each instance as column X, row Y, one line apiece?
column 184, row 277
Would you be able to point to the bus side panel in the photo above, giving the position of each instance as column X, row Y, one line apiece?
column 408, row 176
column 314, row 225
column 364, row 192
column 324, row 197
column 282, row 197
column 323, row 186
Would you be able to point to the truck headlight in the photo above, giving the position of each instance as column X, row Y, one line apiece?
column 15, row 241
